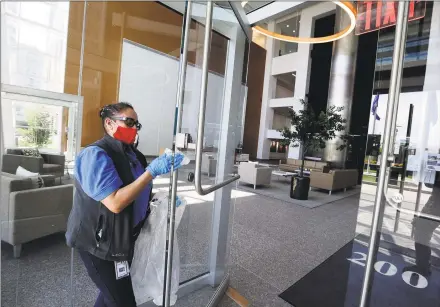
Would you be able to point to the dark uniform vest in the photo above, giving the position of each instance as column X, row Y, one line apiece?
column 94, row 228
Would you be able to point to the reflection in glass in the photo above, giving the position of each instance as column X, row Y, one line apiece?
column 415, row 59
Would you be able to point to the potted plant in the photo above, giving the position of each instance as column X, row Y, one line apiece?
column 311, row 131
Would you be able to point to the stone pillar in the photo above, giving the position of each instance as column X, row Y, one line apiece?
column 341, row 83
column 266, row 115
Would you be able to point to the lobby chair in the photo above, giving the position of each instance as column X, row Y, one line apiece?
column 45, row 164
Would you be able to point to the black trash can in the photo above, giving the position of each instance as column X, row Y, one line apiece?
column 299, row 188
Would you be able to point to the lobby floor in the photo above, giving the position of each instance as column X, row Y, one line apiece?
column 273, row 245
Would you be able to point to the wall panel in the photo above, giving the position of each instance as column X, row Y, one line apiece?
column 256, row 68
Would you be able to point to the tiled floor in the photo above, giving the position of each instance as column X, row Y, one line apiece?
column 273, row 245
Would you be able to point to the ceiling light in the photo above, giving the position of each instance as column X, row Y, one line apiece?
column 287, row 25
column 293, row 31
column 348, row 8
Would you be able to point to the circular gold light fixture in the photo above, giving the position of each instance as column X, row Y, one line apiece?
column 347, row 6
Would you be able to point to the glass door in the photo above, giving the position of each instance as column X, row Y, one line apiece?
column 208, row 129
column 402, row 264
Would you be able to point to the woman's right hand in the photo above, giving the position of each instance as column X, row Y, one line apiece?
column 162, row 164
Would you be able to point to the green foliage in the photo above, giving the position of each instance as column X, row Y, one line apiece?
column 311, row 131
column 39, row 129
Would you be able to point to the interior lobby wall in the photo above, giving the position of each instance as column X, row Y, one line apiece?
column 107, row 24
column 256, row 68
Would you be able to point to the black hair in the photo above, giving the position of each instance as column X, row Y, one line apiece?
column 112, row 110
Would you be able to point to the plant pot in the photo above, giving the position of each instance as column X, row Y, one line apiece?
column 299, row 188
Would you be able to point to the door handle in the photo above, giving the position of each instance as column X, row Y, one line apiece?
column 202, row 110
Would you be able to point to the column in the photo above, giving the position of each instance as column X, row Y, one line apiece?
column 266, row 116
column 341, row 83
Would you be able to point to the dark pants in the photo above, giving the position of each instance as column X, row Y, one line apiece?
column 113, row 293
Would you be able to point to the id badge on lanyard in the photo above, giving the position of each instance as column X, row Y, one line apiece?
column 121, row 269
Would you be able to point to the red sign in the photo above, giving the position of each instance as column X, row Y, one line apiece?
column 374, row 15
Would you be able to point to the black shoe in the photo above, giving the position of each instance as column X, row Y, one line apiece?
column 426, row 272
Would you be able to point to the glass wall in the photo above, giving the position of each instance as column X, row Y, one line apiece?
column 289, row 27
column 285, row 85
column 36, row 197
column 281, row 118
column 34, row 42
column 314, row 252
column 39, row 135
column 34, row 39
column 131, row 52
column 408, row 256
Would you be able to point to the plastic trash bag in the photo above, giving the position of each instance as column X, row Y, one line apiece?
column 148, row 265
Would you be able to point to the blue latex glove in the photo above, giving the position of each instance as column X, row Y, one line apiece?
column 178, row 201
column 162, row 164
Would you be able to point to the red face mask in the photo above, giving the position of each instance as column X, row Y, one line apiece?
column 126, row 135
